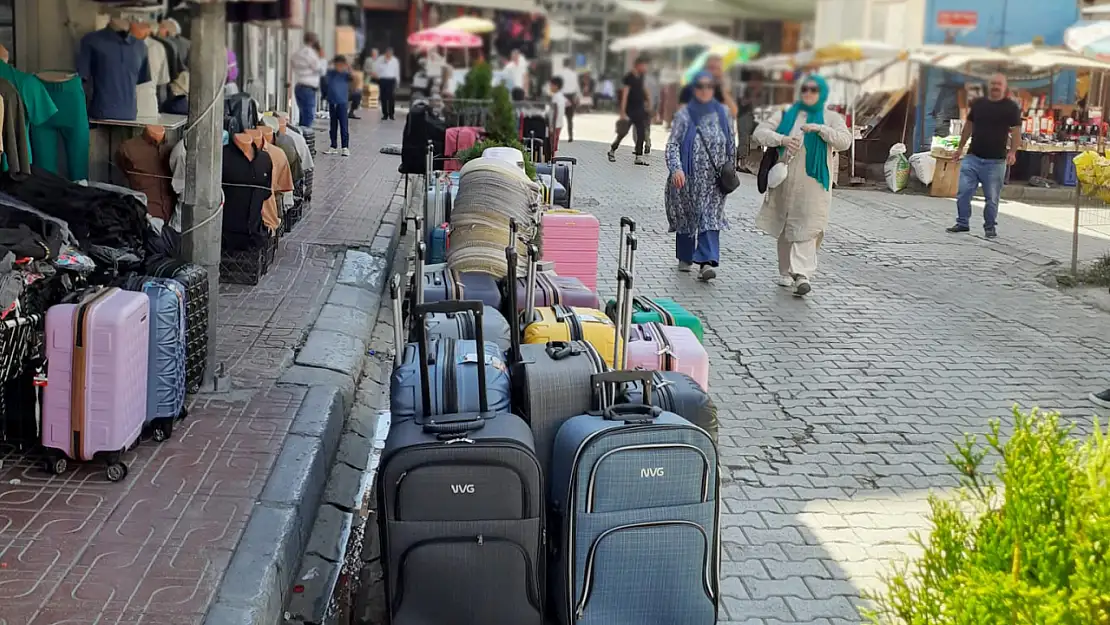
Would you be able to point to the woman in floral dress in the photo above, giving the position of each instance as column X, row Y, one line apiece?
column 701, row 141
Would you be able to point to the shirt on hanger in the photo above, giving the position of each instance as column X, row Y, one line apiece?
column 17, row 156
column 115, row 64
column 307, row 164
column 148, row 171
column 159, row 62
column 289, row 146
column 177, row 166
column 246, row 184
column 173, row 60
column 281, row 182
column 146, row 101
column 38, row 105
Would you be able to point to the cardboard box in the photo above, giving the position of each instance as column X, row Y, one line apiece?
column 946, row 178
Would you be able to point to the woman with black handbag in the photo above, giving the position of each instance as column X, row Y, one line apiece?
column 805, row 139
column 701, row 153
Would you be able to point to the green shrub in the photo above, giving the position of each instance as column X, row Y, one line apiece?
column 476, row 150
column 501, row 122
column 1030, row 546
column 478, row 84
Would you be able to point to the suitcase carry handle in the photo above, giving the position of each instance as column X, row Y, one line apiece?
column 514, row 319
column 420, row 312
column 559, row 350
column 632, row 413
column 398, row 320
column 565, row 159
column 455, row 427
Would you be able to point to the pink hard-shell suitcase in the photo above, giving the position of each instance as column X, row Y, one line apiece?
column 94, row 403
column 570, row 240
column 657, row 347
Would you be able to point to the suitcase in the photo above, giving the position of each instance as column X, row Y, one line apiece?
column 166, row 362
column 632, row 491
column 549, row 289
column 437, row 213
column 195, row 280
column 662, row 310
column 551, row 382
column 95, row 401
column 453, row 367
column 570, row 240
column 460, row 501
column 461, row 325
column 678, row 393
column 563, row 166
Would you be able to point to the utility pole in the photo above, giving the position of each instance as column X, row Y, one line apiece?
column 201, row 220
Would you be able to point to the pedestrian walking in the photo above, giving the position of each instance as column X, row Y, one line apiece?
column 306, row 78
column 389, row 73
column 339, row 97
column 634, row 107
column 559, row 107
column 994, row 127
column 700, row 141
column 797, row 211
column 745, row 119
column 572, row 91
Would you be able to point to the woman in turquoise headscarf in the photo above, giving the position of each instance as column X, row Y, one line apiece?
column 796, row 212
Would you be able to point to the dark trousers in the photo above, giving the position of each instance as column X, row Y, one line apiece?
column 638, row 123
column 306, row 104
column 339, row 124
column 572, row 104
column 388, row 86
column 356, row 101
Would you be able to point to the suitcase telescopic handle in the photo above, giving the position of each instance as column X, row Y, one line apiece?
column 420, row 313
column 514, row 318
column 398, row 320
column 623, row 323
column 530, row 288
column 418, row 274
column 645, row 378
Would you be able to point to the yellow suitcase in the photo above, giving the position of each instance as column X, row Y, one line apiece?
column 563, row 323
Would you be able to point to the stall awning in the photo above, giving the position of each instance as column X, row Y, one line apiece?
column 676, row 35
column 519, row 6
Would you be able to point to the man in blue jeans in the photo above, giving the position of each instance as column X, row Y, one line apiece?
column 994, row 127
column 307, row 66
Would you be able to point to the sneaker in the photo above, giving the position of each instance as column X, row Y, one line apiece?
column 353, row 116
column 990, row 233
column 346, row 152
column 641, row 161
column 331, row 151
column 707, row 273
column 955, row 229
column 802, row 286
column 612, row 156
column 1101, row 400
column 784, row 281
column 647, row 147
column 685, row 267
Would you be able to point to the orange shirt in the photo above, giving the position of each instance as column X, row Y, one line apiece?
column 281, row 182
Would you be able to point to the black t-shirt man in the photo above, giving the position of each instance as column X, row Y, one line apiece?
column 991, row 123
column 637, row 95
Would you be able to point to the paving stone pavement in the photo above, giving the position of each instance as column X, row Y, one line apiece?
column 153, row 548
column 837, row 410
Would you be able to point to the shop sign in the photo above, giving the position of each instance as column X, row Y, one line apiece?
column 577, row 7
column 957, row 20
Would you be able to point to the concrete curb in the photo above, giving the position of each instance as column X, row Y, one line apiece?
column 255, row 587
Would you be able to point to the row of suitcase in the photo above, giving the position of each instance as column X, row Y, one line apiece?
column 581, row 503
column 119, row 361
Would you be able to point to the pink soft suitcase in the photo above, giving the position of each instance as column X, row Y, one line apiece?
column 94, row 403
column 570, row 240
column 657, row 347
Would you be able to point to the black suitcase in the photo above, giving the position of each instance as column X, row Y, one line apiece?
column 678, row 393
column 552, row 382
column 421, row 127
column 461, row 515
column 195, row 280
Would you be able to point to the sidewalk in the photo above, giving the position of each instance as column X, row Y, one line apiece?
column 153, row 549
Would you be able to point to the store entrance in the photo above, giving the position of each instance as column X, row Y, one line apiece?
column 388, row 29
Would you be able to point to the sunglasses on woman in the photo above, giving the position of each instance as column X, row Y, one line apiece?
column 810, row 89
column 705, row 85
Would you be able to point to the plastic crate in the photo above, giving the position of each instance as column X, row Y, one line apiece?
column 247, row 266
column 1065, row 169
column 294, row 214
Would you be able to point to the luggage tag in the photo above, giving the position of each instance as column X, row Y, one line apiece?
column 592, row 318
column 491, row 361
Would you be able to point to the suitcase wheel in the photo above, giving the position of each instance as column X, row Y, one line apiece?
column 116, row 471
column 161, row 430
column 57, row 465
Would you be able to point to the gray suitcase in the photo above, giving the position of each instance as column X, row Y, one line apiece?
column 552, row 382
column 635, row 499
column 453, row 366
column 461, row 515
column 462, row 325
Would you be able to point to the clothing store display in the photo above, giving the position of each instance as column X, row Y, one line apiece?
column 66, row 133
column 146, row 102
column 281, row 184
column 145, row 163
column 289, row 146
column 17, row 152
column 96, row 217
column 246, row 184
column 1, row 125
column 37, row 102
column 158, row 60
column 240, row 113
column 307, row 162
column 174, row 64
column 114, row 63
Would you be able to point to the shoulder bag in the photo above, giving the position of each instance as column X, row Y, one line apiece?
column 727, row 178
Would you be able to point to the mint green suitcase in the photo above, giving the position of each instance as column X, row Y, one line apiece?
column 659, row 310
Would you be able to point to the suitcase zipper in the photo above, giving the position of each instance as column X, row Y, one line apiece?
column 666, row 395
column 547, row 285
column 587, row 582
column 80, row 372
column 570, row 319
column 450, row 384
column 668, row 360
column 597, row 365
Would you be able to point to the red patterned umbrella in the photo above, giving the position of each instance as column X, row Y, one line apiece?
column 444, row 38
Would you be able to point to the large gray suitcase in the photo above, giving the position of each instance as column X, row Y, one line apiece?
column 453, row 366
column 635, row 500
column 461, row 515
column 552, row 382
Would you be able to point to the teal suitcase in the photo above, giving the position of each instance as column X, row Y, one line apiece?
column 660, row 310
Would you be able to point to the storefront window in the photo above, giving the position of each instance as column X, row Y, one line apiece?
column 7, row 27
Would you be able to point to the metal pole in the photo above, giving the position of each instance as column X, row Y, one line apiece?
column 204, row 158
column 1075, row 231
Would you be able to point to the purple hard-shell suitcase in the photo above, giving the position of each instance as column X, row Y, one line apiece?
column 94, row 403
column 554, row 290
